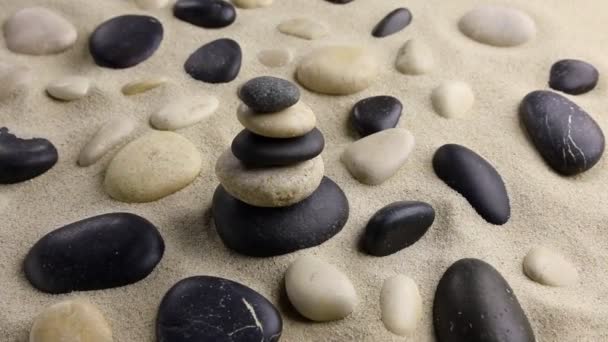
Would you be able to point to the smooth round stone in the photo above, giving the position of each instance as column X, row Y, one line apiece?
column 375, row 114
column 397, row 226
column 275, row 58
column 216, row 62
column 125, row 41
column 400, row 305
column 151, row 4
column 548, row 267
column 24, row 159
column 38, row 31
column 393, row 22
column 473, row 302
column 498, row 26
column 205, row 308
column 319, row 291
column 338, row 70
column 154, row 166
column 69, row 88
column 100, row 252
column 278, row 186
column 71, row 320
column 142, row 86
column 184, row 112
column 294, row 121
column 205, row 13
column 110, row 135
column 303, row 28
column 415, row 58
column 267, row 94
column 453, row 99
column 14, row 79
column 377, row 157
column 247, row 4
column 573, row 76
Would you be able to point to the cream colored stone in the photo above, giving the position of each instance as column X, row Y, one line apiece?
column 275, row 58
column 548, row 267
column 401, row 305
column 415, row 58
column 294, row 121
column 107, row 137
column 453, row 99
column 69, row 88
column 151, row 4
column 14, row 79
column 184, row 112
column 304, row 28
column 498, row 26
column 140, row 86
column 252, row 3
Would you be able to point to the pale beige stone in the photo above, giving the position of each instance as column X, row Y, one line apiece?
column 252, row 3
column 69, row 88
column 401, row 305
column 140, row 86
column 294, row 121
column 107, row 137
column 453, row 99
column 275, row 58
column 548, row 267
column 304, row 28
column 184, row 112
column 14, row 79
column 415, row 58
column 151, row 4
column 498, row 26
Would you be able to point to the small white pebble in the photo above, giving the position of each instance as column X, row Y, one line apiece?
column 108, row 136
column 453, row 99
column 548, row 267
column 69, row 88
column 401, row 305
column 415, row 58
column 140, row 86
column 304, row 28
column 275, row 58
column 252, row 3
column 184, row 112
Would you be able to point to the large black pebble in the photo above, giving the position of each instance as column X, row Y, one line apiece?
column 569, row 140
column 205, row 308
column 573, row 76
column 23, row 159
column 474, row 178
column 397, row 226
column 125, row 41
column 394, row 22
column 216, row 62
column 265, row 232
column 375, row 114
column 100, row 252
column 267, row 94
column 205, row 13
column 258, row 151
column 474, row 303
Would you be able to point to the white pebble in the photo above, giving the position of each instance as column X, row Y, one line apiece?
column 498, row 26
column 401, row 305
column 303, row 28
column 151, row 4
column 13, row 79
column 107, row 137
column 453, row 99
column 415, row 58
column 252, row 3
column 275, row 58
column 184, row 112
column 548, row 267
column 69, row 88
column 294, row 121
column 140, row 86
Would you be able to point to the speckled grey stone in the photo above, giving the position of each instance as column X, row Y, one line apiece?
column 267, row 94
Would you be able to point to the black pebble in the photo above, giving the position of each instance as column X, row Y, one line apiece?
column 205, row 13
column 265, row 232
column 216, row 62
column 394, row 22
column 397, row 226
column 566, row 136
column 23, row 159
column 97, row 253
column 375, row 114
column 125, row 41
column 258, row 151
column 268, row 94
column 475, row 179
column 474, row 303
column 573, row 76
column 205, row 308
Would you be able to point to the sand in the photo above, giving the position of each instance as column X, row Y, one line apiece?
column 568, row 214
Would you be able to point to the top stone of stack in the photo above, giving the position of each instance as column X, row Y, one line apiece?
column 267, row 94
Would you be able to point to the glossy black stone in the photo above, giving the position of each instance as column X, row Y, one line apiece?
column 268, row 94
column 265, row 232
column 205, row 13
column 573, row 76
column 216, row 62
column 375, row 114
column 125, row 41
column 100, row 252
column 474, row 303
column 258, row 151
column 205, row 308
column 394, row 22
column 569, row 140
column 397, row 226
column 23, row 159
column 474, row 178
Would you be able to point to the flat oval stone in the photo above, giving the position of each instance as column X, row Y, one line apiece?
column 279, row 186
column 304, row 28
column 258, row 151
column 24, row 159
column 216, row 62
column 38, row 31
column 568, row 138
column 14, row 79
column 474, row 178
column 473, row 302
column 125, row 41
column 338, row 70
column 151, row 167
column 100, row 252
column 248, row 4
column 375, row 114
column 573, row 76
column 498, row 26
column 107, row 137
column 268, row 94
column 184, row 112
column 275, row 58
column 397, row 226
column 415, row 58
column 453, row 99
column 205, row 13
column 143, row 85
column 69, row 88
column 266, row 232
column 401, row 305
column 394, row 22
column 548, row 267
column 294, row 121
column 319, row 291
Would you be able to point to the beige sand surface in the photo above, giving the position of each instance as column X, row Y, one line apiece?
column 569, row 214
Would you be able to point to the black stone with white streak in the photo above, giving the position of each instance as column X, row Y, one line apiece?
column 268, row 94
column 205, row 13
column 23, row 159
column 569, row 140
column 475, row 179
column 205, row 308
column 125, row 41
column 394, row 22
column 100, row 252
column 216, row 62
column 375, row 114
column 474, row 303
column 573, row 76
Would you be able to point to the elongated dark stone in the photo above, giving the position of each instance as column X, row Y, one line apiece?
column 394, row 22
column 205, row 13
column 216, row 62
column 573, row 76
column 23, row 159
